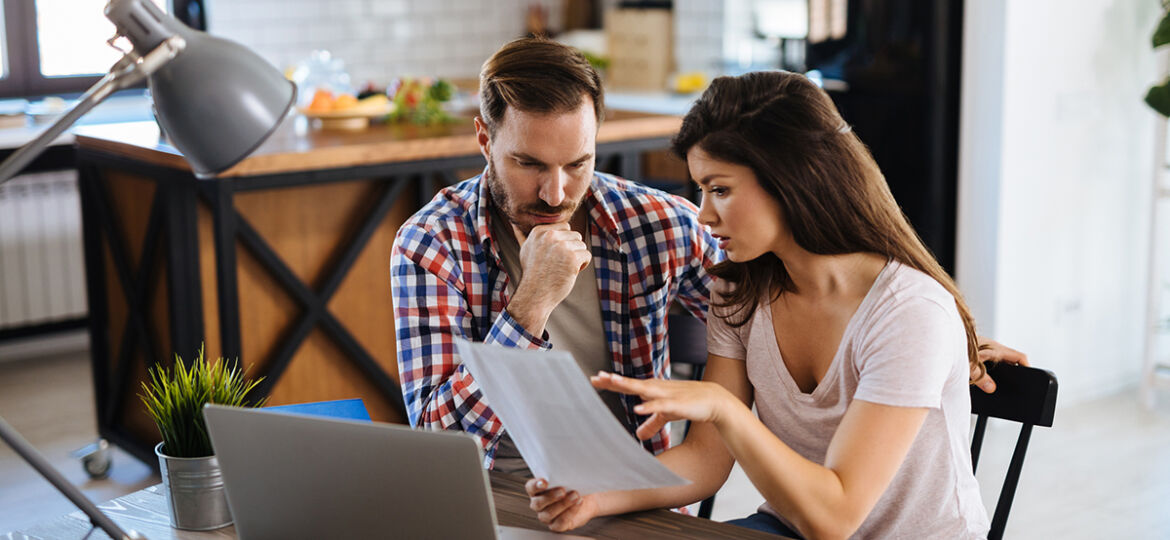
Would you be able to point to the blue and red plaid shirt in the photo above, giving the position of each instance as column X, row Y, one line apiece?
column 649, row 250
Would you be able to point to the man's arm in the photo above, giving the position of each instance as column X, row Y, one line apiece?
column 701, row 252
column 991, row 350
column 433, row 305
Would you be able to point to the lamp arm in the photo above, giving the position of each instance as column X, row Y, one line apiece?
column 129, row 70
column 38, row 462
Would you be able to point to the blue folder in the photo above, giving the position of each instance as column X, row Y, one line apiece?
column 350, row 409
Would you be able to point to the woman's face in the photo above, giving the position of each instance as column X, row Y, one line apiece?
column 744, row 218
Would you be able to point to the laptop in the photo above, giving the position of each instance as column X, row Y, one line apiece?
column 297, row 476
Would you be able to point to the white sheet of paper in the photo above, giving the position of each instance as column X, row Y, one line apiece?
column 559, row 423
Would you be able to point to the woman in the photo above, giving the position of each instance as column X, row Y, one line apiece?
column 831, row 317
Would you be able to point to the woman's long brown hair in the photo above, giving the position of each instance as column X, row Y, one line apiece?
column 833, row 196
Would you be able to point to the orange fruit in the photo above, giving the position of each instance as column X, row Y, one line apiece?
column 344, row 101
column 322, row 101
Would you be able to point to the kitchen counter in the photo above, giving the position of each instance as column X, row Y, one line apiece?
column 296, row 147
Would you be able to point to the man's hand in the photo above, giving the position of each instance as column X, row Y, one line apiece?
column 551, row 257
column 989, row 349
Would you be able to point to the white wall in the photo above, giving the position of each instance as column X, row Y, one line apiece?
column 378, row 39
column 1056, row 158
column 383, row 39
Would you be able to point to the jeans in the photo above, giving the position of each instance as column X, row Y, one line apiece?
column 763, row 522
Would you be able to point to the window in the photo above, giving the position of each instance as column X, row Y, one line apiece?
column 59, row 46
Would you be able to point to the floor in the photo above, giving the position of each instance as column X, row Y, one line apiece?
column 49, row 400
column 1096, row 474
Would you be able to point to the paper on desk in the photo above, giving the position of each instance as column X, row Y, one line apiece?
column 559, row 423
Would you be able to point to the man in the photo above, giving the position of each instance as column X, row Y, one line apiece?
column 540, row 251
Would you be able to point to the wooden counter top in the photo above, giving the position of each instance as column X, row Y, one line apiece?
column 296, row 147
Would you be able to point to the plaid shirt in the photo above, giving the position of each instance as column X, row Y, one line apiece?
column 447, row 280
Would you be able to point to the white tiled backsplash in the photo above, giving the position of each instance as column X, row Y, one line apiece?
column 383, row 39
column 698, row 35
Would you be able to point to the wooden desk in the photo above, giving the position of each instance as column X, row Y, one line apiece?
column 146, row 512
column 281, row 261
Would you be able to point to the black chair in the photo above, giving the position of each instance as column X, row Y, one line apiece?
column 1023, row 394
column 688, row 346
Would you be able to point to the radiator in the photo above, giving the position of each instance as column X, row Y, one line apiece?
column 42, row 271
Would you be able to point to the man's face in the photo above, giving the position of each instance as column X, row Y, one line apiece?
column 540, row 165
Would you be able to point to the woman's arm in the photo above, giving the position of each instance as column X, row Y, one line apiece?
column 823, row 501
column 830, row 500
column 702, row 458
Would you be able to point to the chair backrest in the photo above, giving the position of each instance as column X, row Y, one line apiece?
column 1023, row 394
column 688, row 341
column 688, row 345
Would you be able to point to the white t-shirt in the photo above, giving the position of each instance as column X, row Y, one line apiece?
column 905, row 346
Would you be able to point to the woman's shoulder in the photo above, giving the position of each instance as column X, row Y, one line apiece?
column 732, row 318
column 903, row 284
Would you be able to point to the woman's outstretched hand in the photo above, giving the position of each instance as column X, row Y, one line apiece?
column 667, row 401
column 562, row 510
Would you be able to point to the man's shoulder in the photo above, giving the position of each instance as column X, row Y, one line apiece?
column 448, row 216
column 639, row 203
column 451, row 208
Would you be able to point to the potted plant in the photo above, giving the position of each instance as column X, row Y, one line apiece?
column 174, row 398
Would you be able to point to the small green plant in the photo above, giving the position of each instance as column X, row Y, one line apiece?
column 175, row 398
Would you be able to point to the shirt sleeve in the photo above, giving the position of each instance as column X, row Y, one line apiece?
column 908, row 354
column 431, row 308
column 694, row 291
column 722, row 338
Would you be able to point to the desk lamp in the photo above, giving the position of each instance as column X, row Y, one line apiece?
column 215, row 100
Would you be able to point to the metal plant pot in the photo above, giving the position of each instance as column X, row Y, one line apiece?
column 195, row 494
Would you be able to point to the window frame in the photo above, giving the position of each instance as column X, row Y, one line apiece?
column 22, row 52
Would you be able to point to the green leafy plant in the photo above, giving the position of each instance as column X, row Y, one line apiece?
column 1158, row 97
column 174, row 398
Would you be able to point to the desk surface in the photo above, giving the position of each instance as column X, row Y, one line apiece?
column 294, row 146
column 146, row 512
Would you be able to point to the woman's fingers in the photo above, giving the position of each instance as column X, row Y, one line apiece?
column 651, row 426
column 616, row 383
column 647, row 388
column 552, row 512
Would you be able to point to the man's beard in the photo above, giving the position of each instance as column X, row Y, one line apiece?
column 509, row 209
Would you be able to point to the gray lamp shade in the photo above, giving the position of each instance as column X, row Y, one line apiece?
column 216, row 101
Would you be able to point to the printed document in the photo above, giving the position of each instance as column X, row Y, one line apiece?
column 559, row 423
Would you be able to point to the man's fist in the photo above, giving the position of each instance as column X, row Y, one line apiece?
column 551, row 256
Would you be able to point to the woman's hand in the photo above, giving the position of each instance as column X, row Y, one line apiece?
column 560, row 509
column 667, row 401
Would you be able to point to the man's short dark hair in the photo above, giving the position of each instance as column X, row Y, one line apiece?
column 537, row 75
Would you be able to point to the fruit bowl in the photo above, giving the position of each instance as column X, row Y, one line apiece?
column 354, row 118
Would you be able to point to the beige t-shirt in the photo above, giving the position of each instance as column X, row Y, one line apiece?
column 905, row 346
column 574, row 325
